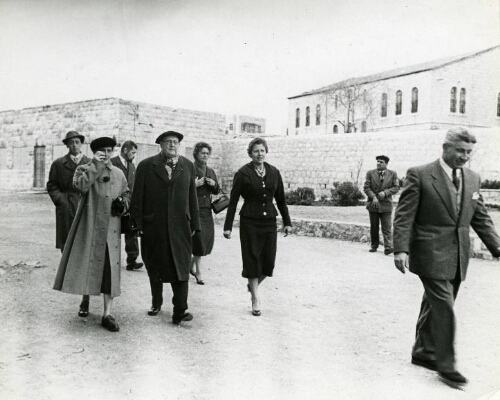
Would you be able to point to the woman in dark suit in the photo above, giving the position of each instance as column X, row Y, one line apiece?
column 206, row 184
column 258, row 183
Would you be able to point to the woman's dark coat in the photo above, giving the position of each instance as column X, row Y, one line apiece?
column 258, row 199
column 203, row 242
column 166, row 211
column 64, row 196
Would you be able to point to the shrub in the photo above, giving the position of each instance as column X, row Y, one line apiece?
column 487, row 184
column 346, row 194
column 300, row 197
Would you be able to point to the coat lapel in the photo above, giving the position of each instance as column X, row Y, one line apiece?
column 159, row 168
column 376, row 181
column 467, row 191
column 442, row 189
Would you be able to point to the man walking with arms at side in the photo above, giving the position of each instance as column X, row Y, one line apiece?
column 165, row 209
column 380, row 185
column 438, row 203
column 124, row 162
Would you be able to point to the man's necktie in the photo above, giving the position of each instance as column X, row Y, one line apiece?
column 456, row 179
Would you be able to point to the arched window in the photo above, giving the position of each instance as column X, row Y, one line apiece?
column 453, row 99
column 462, row 101
column 297, row 118
column 308, row 115
column 318, row 114
column 414, row 100
column 363, row 126
column 399, row 102
column 383, row 108
column 498, row 105
column 335, row 129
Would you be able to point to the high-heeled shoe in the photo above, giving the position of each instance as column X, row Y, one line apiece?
column 198, row 281
column 84, row 309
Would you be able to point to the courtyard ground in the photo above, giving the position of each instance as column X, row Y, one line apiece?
column 337, row 323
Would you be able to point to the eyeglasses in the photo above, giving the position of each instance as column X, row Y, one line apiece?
column 171, row 142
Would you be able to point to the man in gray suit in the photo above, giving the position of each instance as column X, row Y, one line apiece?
column 380, row 185
column 124, row 162
column 438, row 203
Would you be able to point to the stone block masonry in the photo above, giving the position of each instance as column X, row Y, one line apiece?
column 320, row 161
column 22, row 130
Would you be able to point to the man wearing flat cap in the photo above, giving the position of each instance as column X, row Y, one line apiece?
column 165, row 209
column 60, row 185
column 380, row 185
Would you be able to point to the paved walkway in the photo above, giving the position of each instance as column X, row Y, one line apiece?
column 337, row 323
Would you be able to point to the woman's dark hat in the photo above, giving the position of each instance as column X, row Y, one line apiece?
column 179, row 136
column 385, row 158
column 102, row 142
column 71, row 135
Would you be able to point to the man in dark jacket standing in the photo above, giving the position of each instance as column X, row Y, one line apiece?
column 380, row 185
column 60, row 185
column 124, row 162
column 438, row 204
column 165, row 209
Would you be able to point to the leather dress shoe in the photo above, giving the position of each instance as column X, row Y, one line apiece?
column 110, row 324
column 372, row 250
column 429, row 364
column 453, row 377
column 256, row 313
column 136, row 265
column 154, row 310
column 84, row 309
column 178, row 318
column 388, row 251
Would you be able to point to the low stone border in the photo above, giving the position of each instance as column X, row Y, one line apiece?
column 349, row 231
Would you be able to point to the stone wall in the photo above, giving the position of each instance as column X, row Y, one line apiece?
column 22, row 130
column 319, row 161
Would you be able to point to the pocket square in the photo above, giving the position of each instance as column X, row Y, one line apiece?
column 475, row 196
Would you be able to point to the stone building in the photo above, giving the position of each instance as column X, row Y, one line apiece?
column 237, row 125
column 462, row 90
column 31, row 138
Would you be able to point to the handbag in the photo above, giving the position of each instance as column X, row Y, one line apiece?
column 221, row 202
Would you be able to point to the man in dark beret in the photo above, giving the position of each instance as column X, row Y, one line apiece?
column 380, row 185
column 165, row 209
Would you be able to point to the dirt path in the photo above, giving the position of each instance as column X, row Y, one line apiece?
column 337, row 323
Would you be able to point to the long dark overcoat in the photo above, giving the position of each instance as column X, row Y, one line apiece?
column 203, row 242
column 166, row 210
column 82, row 263
column 64, row 196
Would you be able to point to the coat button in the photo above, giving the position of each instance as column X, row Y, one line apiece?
column 264, row 195
column 264, row 213
column 263, row 204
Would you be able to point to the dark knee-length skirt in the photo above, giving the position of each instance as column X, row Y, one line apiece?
column 203, row 241
column 258, row 239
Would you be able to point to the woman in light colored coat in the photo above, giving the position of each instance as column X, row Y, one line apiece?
column 90, row 263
